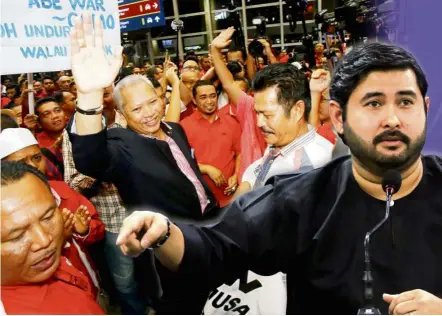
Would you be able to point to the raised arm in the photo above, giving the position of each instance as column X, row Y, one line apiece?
column 174, row 111
column 92, row 71
column 222, row 41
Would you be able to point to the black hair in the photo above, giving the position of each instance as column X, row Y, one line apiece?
column 366, row 58
column 234, row 67
column 43, row 101
column 58, row 96
column 201, row 83
column 155, row 82
column 14, row 171
column 292, row 85
column 11, row 105
column 6, row 78
column 151, row 71
column 7, row 122
column 235, row 49
column 191, row 57
column 12, row 87
column 48, row 78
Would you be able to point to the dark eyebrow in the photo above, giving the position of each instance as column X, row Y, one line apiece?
column 407, row 93
column 50, row 208
column 370, row 95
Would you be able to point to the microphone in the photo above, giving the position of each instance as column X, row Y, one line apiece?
column 391, row 183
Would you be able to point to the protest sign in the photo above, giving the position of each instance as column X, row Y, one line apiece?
column 34, row 34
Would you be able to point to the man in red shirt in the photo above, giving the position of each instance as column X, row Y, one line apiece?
column 82, row 224
column 52, row 119
column 35, row 277
column 39, row 91
column 49, row 86
column 216, row 140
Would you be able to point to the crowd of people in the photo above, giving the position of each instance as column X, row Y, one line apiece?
column 251, row 182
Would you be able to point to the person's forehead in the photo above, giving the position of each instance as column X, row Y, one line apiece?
column 388, row 82
column 24, row 153
column 190, row 63
column 48, row 106
column 267, row 97
column 48, row 81
column 23, row 201
column 208, row 89
column 138, row 92
column 189, row 76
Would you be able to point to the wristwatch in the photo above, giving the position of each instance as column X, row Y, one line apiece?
column 95, row 111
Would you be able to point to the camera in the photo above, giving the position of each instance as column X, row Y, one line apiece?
column 256, row 48
column 360, row 18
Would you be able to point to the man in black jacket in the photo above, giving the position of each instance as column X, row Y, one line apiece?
column 150, row 162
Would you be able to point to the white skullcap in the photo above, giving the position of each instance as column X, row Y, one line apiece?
column 15, row 139
column 297, row 65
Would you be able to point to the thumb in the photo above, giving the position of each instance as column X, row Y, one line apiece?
column 388, row 298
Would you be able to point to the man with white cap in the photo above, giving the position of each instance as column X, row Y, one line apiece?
column 82, row 225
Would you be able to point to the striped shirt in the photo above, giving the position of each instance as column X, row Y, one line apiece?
column 307, row 152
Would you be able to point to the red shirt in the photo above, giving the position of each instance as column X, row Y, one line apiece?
column 229, row 109
column 253, row 143
column 41, row 94
column 5, row 101
column 326, row 131
column 45, row 141
column 215, row 144
column 190, row 108
column 67, row 292
column 72, row 200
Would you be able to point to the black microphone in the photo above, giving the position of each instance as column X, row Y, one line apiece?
column 391, row 183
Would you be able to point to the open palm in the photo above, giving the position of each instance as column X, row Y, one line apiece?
column 92, row 69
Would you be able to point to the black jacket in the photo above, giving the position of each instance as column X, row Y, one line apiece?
column 143, row 170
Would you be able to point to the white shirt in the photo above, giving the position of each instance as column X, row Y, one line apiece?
column 262, row 295
column 308, row 151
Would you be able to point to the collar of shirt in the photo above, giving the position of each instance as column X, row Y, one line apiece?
column 34, row 294
column 297, row 143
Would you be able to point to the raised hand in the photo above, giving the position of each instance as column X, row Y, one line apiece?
column 82, row 220
column 92, row 69
column 31, row 121
column 223, row 39
column 320, row 81
column 171, row 75
column 68, row 220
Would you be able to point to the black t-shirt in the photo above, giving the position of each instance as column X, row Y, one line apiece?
column 312, row 227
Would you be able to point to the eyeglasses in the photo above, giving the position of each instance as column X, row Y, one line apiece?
column 192, row 68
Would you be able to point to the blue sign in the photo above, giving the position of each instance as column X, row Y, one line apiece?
column 136, row 14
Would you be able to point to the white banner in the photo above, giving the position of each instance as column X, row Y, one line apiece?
column 34, row 34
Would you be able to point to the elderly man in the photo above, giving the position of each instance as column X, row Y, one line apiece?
column 64, row 83
column 174, row 181
column 35, row 277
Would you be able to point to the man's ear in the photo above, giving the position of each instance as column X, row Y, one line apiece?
column 336, row 118
column 298, row 110
column 427, row 104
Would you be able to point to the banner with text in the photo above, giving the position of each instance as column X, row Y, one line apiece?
column 34, row 34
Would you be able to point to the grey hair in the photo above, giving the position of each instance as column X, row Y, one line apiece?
column 127, row 82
